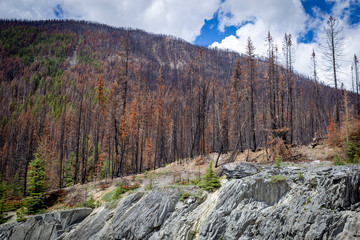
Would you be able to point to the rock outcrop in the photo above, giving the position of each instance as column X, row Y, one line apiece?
column 45, row 226
column 256, row 202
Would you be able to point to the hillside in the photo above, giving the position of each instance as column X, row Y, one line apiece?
column 93, row 102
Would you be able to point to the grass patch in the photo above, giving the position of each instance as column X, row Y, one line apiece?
column 186, row 192
column 277, row 178
column 184, row 195
column 111, row 205
column 118, row 191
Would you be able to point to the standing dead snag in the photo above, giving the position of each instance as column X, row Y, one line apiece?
column 332, row 52
column 250, row 62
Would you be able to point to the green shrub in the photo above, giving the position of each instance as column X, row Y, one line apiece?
column 118, row 191
column 277, row 178
column 20, row 215
column 184, row 195
column 150, row 185
column 14, row 205
column 90, row 203
column 278, row 161
column 210, row 181
column 353, row 153
column 15, row 186
column 300, row 175
column 338, row 160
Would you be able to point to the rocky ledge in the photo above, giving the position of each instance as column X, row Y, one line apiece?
column 255, row 202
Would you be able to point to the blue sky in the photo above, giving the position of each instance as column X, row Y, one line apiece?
column 224, row 24
column 211, row 33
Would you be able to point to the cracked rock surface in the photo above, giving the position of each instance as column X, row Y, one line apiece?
column 256, row 202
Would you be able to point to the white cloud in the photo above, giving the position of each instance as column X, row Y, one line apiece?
column 183, row 19
column 288, row 16
column 277, row 16
column 285, row 14
column 41, row 9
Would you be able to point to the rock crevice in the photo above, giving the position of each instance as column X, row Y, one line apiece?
column 320, row 203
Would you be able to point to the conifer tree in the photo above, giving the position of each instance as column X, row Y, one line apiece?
column 3, row 196
column 210, row 181
column 36, row 185
column 15, row 186
column 69, row 171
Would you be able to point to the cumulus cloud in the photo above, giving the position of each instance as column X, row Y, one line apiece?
column 41, row 9
column 277, row 16
column 255, row 18
column 183, row 19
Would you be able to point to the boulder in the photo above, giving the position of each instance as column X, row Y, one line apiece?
column 239, row 170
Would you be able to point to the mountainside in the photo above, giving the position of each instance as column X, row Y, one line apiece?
column 91, row 101
column 310, row 201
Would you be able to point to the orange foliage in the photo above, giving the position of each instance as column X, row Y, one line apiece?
column 333, row 138
column 100, row 90
column 98, row 166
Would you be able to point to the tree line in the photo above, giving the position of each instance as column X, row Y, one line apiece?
column 104, row 104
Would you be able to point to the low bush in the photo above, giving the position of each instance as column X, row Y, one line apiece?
column 339, row 160
column 278, row 161
column 90, row 203
column 277, row 178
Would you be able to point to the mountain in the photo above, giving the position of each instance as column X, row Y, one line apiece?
column 95, row 101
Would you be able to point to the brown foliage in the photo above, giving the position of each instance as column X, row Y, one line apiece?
column 54, row 197
column 131, row 187
column 333, row 137
column 104, row 186
column 199, row 161
column 277, row 147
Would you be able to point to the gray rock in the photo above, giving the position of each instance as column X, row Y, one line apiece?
column 294, row 168
column 323, row 204
column 44, row 226
column 142, row 219
column 190, row 200
column 236, row 170
column 93, row 227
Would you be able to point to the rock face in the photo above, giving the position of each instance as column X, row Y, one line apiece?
column 239, row 170
column 265, row 203
column 45, row 226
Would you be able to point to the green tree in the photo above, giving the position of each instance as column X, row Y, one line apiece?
column 15, row 186
column 69, row 171
column 210, row 181
column 36, row 185
column 3, row 196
